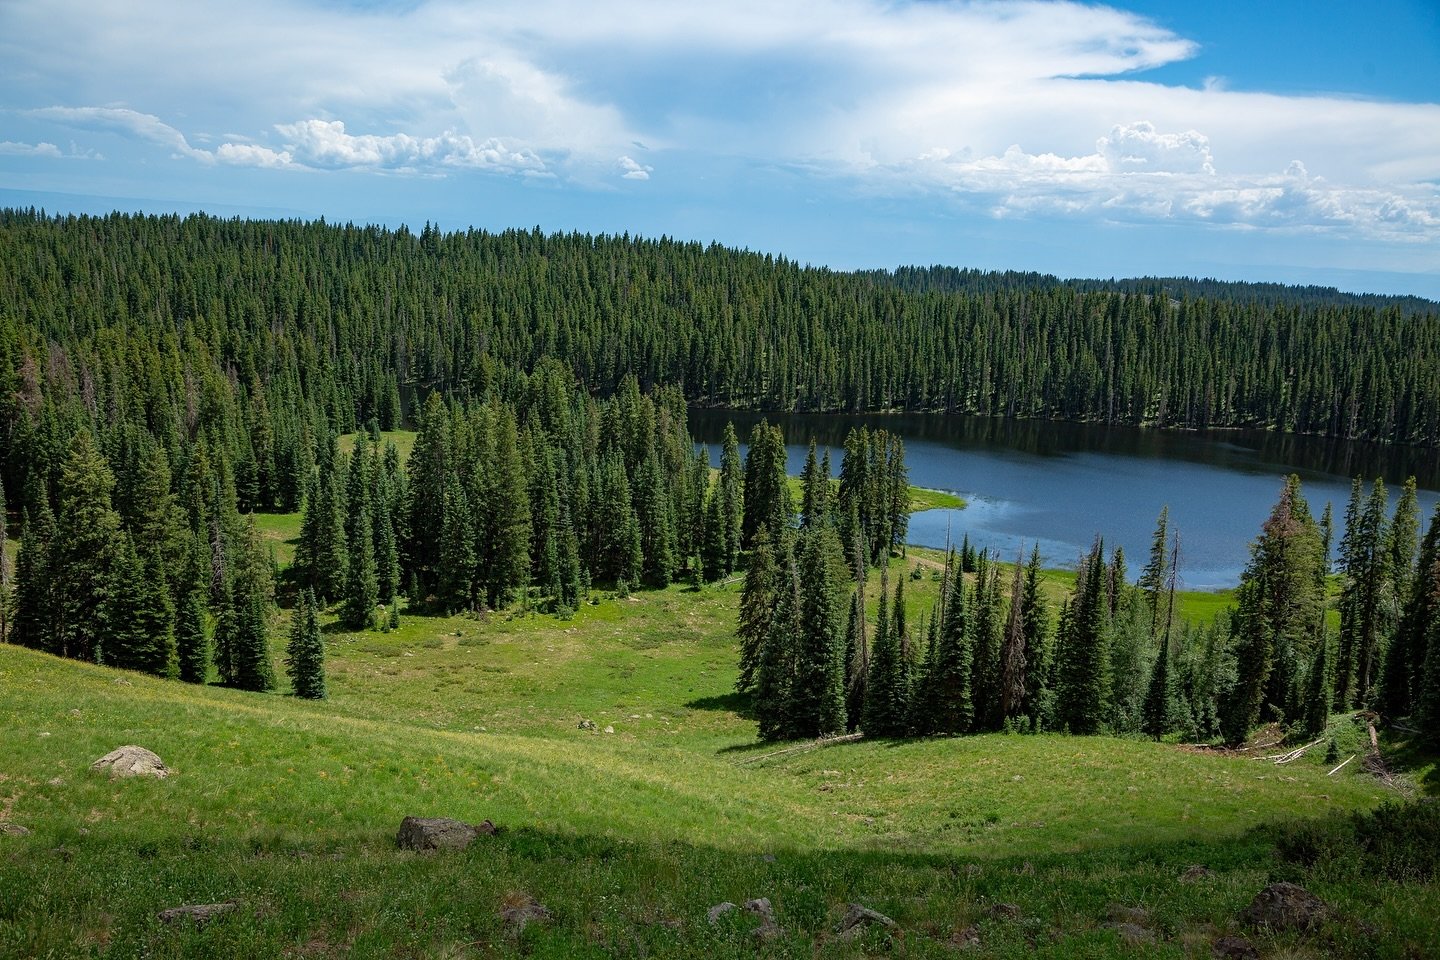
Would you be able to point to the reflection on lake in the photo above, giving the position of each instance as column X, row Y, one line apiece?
column 1063, row 483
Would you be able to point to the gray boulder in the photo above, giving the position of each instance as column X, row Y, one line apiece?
column 439, row 833
column 1285, row 906
column 858, row 918
column 131, row 761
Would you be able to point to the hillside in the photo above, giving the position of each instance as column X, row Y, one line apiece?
column 290, row 809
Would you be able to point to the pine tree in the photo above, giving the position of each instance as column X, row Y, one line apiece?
column 1012, row 650
column 818, row 695
column 1320, row 689
column 1278, row 609
column 1035, row 622
column 503, row 551
column 1365, row 597
column 139, row 616
column 1159, row 707
column 1405, row 663
column 252, row 598
column 758, row 597
column 192, row 649
column 84, row 551
column 1399, row 678
column 457, row 551
column 732, row 496
column 767, row 494
column 5, row 572
column 815, row 491
column 305, row 654
column 886, row 706
column 430, row 473
column 34, row 582
column 775, row 671
column 857, row 658
column 362, row 589
column 948, row 698
column 1152, row 577
column 1084, row 693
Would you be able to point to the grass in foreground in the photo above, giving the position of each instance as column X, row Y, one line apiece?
column 290, row 808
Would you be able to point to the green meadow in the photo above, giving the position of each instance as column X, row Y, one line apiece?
column 629, row 833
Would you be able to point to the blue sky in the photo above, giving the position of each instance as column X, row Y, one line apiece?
column 1280, row 140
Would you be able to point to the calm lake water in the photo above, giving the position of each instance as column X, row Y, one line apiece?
column 1061, row 484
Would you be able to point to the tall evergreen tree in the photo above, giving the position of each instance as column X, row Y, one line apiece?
column 757, row 607
column 1035, row 622
column 305, row 654
column 84, row 552
column 192, row 647
column 767, row 494
column 1365, row 599
column 34, row 583
column 885, row 709
column 775, row 674
column 732, row 496
column 1399, row 677
column 252, row 599
column 1152, row 577
column 139, row 616
column 1084, row 693
column 362, row 588
column 947, row 701
column 1012, row 650
column 817, row 707
column 1278, row 610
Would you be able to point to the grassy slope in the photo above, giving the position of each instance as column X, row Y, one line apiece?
column 290, row 808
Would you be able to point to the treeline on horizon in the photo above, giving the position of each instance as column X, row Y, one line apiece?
column 353, row 315
column 943, row 279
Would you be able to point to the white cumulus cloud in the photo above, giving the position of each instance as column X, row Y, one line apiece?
column 12, row 148
column 132, row 123
column 631, row 170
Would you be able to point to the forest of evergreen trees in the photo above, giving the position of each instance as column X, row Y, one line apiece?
column 162, row 379
column 1114, row 658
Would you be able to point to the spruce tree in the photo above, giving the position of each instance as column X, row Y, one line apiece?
column 192, row 649
column 34, row 597
column 886, row 706
column 1399, row 678
column 757, row 603
column 1012, row 650
column 457, row 551
column 5, row 571
column 1278, row 609
column 818, row 696
column 1035, row 622
column 503, row 549
column 305, row 654
column 139, row 616
column 84, row 551
column 857, row 659
column 1152, row 577
column 1319, row 688
column 362, row 589
column 775, row 671
column 1084, row 694
column 732, row 496
column 252, row 598
column 948, row 697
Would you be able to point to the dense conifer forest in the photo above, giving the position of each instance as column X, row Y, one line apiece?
column 164, row 379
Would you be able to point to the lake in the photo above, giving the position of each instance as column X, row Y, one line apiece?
column 1061, row 484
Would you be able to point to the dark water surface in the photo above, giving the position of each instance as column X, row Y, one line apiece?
column 1062, row 483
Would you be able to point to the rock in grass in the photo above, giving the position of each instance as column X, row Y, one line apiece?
column 1234, row 948
column 520, row 911
column 199, row 912
column 1003, row 911
column 131, row 761
column 439, row 833
column 1195, row 873
column 859, row 917
column 1285, row 906
column 1133, row 934
column 13, row 830
column 719, row 910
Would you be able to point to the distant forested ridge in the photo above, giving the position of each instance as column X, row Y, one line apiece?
column 347, row 315
column 942, row 279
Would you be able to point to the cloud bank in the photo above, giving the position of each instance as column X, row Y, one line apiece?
column 1015, row 109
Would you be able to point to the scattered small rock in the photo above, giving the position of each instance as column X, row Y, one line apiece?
column 719, row 910
column 199, row 912
column 1138, row 916
column 522, row 911
column 761, row 907
column 858, row 917
column 768, row 857
column 967, row 939
column 1234, row 948
column 1195, row 872
column 122, row 682
column 439, row 833
column 587, row 725
column 1134, row 934
column 609, row 729
column 13, row 830
column 131, row 761
column 1003, row 911
column 1285, row 906
column 972, row 870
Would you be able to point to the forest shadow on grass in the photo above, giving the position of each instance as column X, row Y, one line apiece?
column 736, row 703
